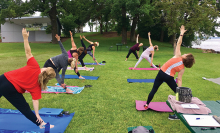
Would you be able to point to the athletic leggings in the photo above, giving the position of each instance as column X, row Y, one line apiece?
column 90, row 53
column 16, row 99
column 131, row 51
column 141, row 58
column 161, row 77
column 83, row 54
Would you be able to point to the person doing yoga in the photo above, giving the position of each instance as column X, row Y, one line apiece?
column 168, row 70
column 74, row 52
column 92, row 48
column 146, row 53
column 83, row 54
column 61, row 62
column 28, row 78
column 134, row 48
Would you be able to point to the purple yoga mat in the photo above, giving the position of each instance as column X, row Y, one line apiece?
column 82, row 68
column 143, row 68
column 156, row 106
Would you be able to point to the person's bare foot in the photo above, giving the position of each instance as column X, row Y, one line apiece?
column 125, row 59
column 158, row 68
column 87, row 69
column 42, row 125
column 80, row 77
column 133, row 68
column 69, row 91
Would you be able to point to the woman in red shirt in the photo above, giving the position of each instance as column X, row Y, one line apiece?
column 30, row 78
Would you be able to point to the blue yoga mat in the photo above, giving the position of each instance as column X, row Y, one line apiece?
column 17, row 123
column 50, row 111
column 92, row 64
column 76, row 90
column 76, row 77
column 140, row 80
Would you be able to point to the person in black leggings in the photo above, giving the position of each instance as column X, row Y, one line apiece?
column 83, row 54
column 28, row 78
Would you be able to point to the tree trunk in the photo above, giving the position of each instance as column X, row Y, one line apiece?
column 172, row 39
column 101, row 27
column 174, row 47
column 161, row 35
column 124, row 30
column 106, row 27
column 53, row 18
column 133, row 27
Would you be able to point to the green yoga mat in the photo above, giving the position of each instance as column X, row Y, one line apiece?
column 131, row 128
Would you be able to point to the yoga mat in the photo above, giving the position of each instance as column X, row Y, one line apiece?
column 82, row 68
column 76, row 77
column 148, row 127
column 156, row 106
column 131, row 68
column 59, row 89
column 91, row 64
column 50, row 111
column 140, row 80
column 217, row 80
column 18, row 123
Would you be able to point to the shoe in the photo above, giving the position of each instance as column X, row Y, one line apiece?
column 146, row 107
column 173, row 117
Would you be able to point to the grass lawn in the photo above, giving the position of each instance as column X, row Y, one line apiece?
column 109, row 105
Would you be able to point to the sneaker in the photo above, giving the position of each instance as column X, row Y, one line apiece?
column 173, row 117
column 146, row 107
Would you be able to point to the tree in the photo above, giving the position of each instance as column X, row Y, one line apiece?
column 198, row 17
column 137, row 8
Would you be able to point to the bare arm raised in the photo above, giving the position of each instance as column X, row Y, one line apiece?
column 27, row 47
column 72, row 41
column 150, row 39
column 137, row 38
column 178, row 52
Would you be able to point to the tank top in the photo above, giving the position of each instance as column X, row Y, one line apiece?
column 147, row 52
column 90, row 47
column 172, row 66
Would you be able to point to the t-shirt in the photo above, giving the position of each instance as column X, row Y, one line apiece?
column 147, row 52
column 135, row 47
column 172, row 66
column 90, row 47
column 26, row 78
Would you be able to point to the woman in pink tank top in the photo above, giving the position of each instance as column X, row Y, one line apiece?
column 168, row 70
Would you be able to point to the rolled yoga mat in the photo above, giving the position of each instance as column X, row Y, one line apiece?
column 82, row 68
column 12, row 121
column 131, row 68
column 76, row 77
column 156, row 106
column 140, row 80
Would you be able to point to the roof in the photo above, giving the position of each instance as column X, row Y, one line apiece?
column 29, row 20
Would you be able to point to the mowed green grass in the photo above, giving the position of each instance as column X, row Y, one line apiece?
column 109, row 105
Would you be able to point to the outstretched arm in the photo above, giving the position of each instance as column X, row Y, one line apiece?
column 27, row 47
column 152, row 58
column 72, row 41
column 137, row 38
column 93, row 47
column 83, row 43
column 149, row 39
column 36, row 108
column 87, row 40
column 61, row 45
column 182, row 31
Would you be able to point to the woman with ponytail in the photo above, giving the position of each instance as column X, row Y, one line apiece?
column 59, row 62
column 28, row 78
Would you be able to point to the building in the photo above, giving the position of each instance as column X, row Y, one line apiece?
column 11, row 29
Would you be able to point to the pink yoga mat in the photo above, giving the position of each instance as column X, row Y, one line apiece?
column 156, row 106
column 143, row 68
